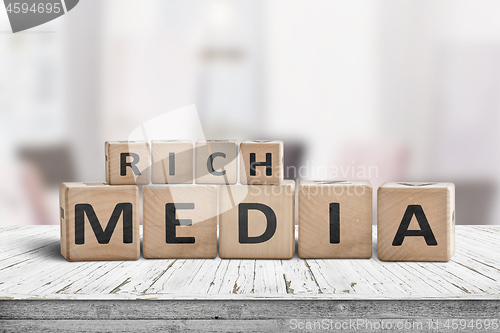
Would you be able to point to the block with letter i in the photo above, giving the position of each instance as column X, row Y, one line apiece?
column 216, row 162
column 99, row 221
column 127, row 162
column 335, row 219
column 261, row 162
column 172, row 162
column 180, row 221
column 257, row 221
column 416, row 221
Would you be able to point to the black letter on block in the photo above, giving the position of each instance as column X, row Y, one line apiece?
column 334, row 223
column 171, row 164
column 124, row 164
column 103, row 237
column 243, row 223
column 267, row 164
column 210, row 164
column 425, row 229
column 172, row 223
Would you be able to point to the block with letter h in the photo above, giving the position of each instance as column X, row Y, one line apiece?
column 261, row 162
column 85, row 208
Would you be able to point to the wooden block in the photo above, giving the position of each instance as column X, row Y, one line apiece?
column 216, row 162
column 257, row 221
column 335, row 219
column 416, row 221
column 127, row 162
column 261, row 162
column 172, row 162
column 99, row 221
column 180, row 221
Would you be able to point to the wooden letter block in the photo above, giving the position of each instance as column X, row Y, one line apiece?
column 127, row 162
column 180, row 221
column 416, row 221
column 257, row 221
column 335, row 219
column 172, row 162
column 99, row 222
column 261, row 162
column 216, row 161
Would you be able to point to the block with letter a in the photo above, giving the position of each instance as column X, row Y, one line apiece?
column 99, row 221
column 416, row 221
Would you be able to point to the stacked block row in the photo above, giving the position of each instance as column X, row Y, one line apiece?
column 215, row 162
column 100, row 221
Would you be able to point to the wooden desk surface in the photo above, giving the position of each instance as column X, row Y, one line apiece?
column 31, row 268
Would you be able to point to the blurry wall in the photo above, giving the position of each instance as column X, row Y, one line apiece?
column 384, row 90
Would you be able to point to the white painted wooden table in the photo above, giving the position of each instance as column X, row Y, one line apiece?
column 181, row 294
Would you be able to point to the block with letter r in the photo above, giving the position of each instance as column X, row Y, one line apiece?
column 99, row 221
column 127, row 162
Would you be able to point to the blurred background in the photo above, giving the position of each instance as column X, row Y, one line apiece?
column 381, row 90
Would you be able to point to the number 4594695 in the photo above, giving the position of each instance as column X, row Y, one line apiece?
column 472, row 324
column 23, row 7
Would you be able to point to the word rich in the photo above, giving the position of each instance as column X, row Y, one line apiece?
column 100, row 221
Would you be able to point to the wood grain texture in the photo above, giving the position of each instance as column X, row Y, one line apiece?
column 32, row 268
column 354, row 199
column 437, row 201
column 279, row 198
column 140, row 175
column 182, row 171
column 203, row 219
column 219, row 155
column 103, row 199
column 260, row 148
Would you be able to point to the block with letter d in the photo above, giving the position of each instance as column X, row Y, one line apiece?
column 416, row 221
column 257, row 221
column 127, row 162
column 99, row 221
column 180, row 221
column 335, row 219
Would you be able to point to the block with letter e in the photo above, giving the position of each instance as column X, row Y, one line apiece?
column 261, row 162
column 416, row 221
column 180, row 221
column 335, row 219
column 99, row 221
column 127, row 162
column 257, row 221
